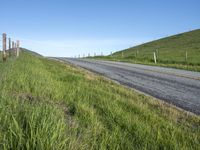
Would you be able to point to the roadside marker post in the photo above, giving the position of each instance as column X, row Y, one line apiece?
column 154, row 56
column 186, row 56
column 136, row 54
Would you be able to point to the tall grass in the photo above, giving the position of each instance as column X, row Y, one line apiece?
column 50, row 105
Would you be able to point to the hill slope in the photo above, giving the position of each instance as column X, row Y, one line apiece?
column 46, row 104
column 171, row 51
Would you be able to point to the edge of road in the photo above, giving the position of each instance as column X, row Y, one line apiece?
column 167, row 71
column 163, row 102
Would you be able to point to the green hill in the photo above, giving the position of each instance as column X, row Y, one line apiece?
column 46, row 104
column 170, row 51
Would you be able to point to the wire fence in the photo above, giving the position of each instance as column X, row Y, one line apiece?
column 188, row 56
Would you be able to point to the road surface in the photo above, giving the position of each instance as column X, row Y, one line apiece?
column 178, row 87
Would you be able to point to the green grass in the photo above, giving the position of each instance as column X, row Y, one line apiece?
column 51, row 105
column 171, row 52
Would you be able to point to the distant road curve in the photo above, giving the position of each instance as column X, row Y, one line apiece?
column 178, row 87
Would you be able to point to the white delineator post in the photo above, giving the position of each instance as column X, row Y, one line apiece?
column 186, row 56
column 154, row 57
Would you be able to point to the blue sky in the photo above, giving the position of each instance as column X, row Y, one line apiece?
column 73, row 27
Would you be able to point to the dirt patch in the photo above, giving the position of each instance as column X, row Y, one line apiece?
column 25, row 97
column 69, row 111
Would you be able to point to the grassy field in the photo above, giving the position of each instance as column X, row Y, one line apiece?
column 51, row 105
column 171, row 52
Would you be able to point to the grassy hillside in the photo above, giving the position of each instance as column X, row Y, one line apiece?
column 50, row 105
column 171, row 51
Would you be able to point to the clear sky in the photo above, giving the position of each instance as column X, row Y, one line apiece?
column 73, row 27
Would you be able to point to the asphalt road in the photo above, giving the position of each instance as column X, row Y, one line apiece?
column 178, row 87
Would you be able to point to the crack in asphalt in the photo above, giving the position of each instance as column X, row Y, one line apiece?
column 178, row 87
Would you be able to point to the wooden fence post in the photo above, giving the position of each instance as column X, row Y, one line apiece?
column 9, row 45
column 4, row 47
column 17, row 48
column 13, row 47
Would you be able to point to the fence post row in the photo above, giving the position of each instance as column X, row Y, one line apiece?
column 15, row 47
